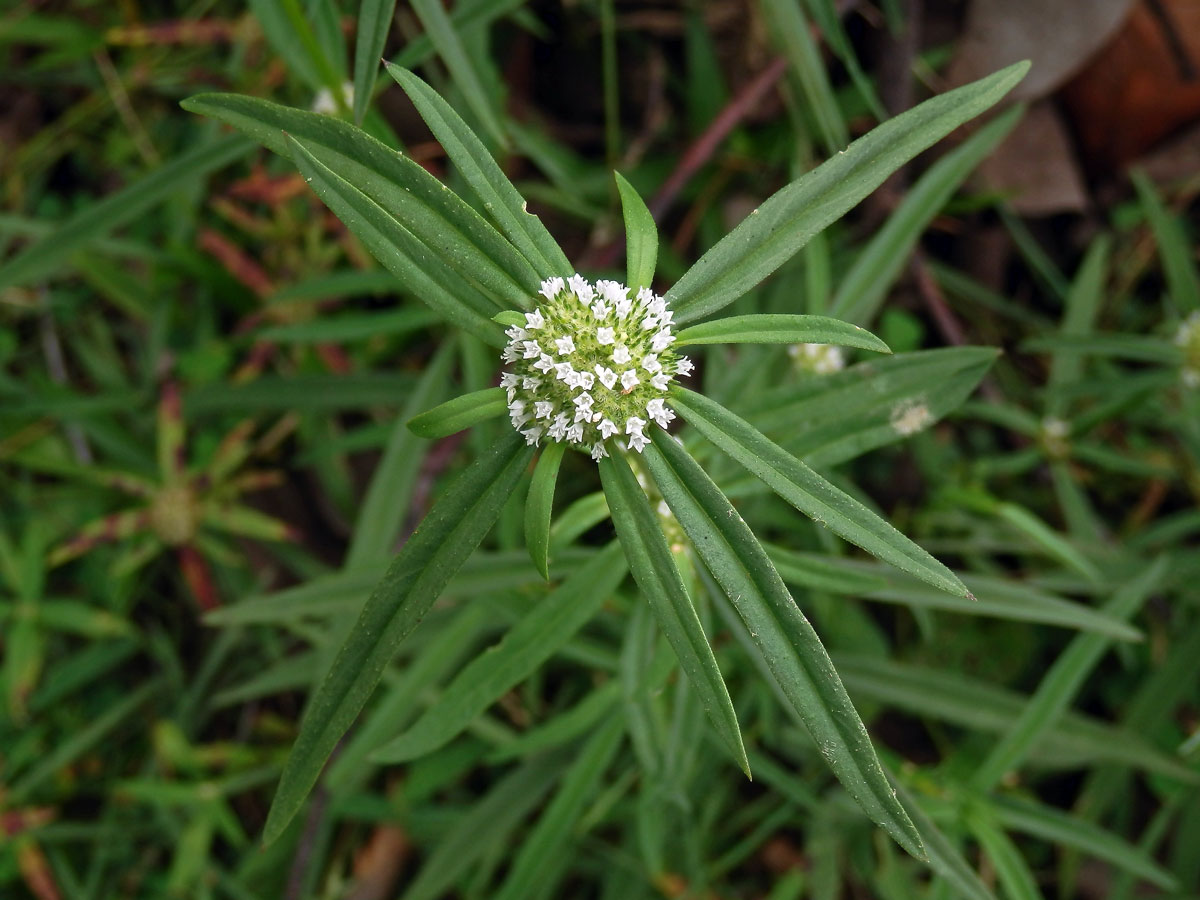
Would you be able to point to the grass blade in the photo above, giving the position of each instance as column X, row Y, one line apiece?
column 374, row 22
column 788, row 643
column 1174, row 248
column 447, row 536
column 458, row 413
column 800, row 486
column 781, row 329
column 784, row 223
column 540, row 504
column 654, row 569
column 641, row 236
column 497, row 194
column 533, row 640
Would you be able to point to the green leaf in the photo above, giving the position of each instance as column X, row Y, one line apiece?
column 497, row 194
column 291, row 35
column 459, row 413
column 448, row 227
column 383, row 510
column 800, row 486
column 415, row 579
column 1012, row 871
column 450, row 47
column 877, row 267
column 783, row 635
column 534, row 639
column 641, row 236
column 780, row 329
column 374, row 23
column 401, row 252
column 657, row 575
column 944, row 858
column 1062, row 682
column 787, row 220
column 540, row 504
column 544, row 854
column 1174, row 248
column 51, row 253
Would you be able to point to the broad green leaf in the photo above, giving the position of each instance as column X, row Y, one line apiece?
column 383, row 510
column 450, row 47
column 51, row 253
column 655, row 571
column 540, row 504
column 786, row 640
column 446, row 225
column 790, row 32
column 374, row 23
column 485, row 829
column 1063, row 830
column 503, row 666
column 641, row 236
column 787, row 220
column 1002, row 598
column 459, row 413
column 1062, row 682
column 880, row 263
column 497, row 194
column 1075, row 740
column 813, row 495
column 780, row 329
column 422, row 272
column 545, row 853
column 1174, row 248
column 447, row 536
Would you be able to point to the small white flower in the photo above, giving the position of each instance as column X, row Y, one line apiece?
column 573, row 380
column 552, row 287
column 584, row 399
column 545, row 363
column 563, row 371
column 637, row 442
column 659, row 412
column 509, row 380
column 612, row 291
column 650, row 323
column 586, row 380
column 534, row 319
column 599, row 310
column 634, row 425
column 575, row 433
column 608, row 428
column 581, row 288
column 558, row 429
column 623, row 307
column 598, row 451
column 662, row 340
column 509, row 354
column 607, row 376
column 605, row 335
column 530, row 383
column 651, row 364
column 531, row 349
column 565, row 345
column 684, row 366
column 516, row 332
column 621, row 354
column 629, row 380
column 543, row 409
column 660, row 381
column 532, row 435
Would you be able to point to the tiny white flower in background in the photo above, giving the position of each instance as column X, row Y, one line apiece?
column 324, row 103
column 592, row 336
column 1188, row 338
column 821, row 359
column 911, row 417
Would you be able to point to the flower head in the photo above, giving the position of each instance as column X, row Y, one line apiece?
column 1188, row 338
column 820, row 359
column 591, row 363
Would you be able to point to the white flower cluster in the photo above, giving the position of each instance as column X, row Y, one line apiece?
column 591, row 363
column 820, row 359
column 1188, row 338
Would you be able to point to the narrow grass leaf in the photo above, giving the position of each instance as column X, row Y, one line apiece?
column 944, row 857
column 786, row 640
column 813, row 495
column 563, row 726
column 540, row 504
column 785, row 222
column 654, row 569
column 448, row 535
column 502, row 667
column 780, row 329
column 460, row 412
column 875, row 270
column 449, row 46
column 1062, row 682
column 51, row 253
column 374, row 22
column 400, row 251
column 539, row 864
column 445, row 223
column 641, row 236
column 1012, row 871
column 501, row 200
column 1174, row 248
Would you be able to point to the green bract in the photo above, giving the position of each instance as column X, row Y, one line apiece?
column 591, row 364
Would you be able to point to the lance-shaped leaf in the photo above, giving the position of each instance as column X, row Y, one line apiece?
column 784, row 223
column 781, row 329
column 539, row 505
column 532, row 641
column 641, row 236
column 813, row 495
column 502, row 201
column 444, row 222
column 400, row 251
column 655, row 571
column 788, row 643
column 374, row 22
column 459, row 413
column 447, row 536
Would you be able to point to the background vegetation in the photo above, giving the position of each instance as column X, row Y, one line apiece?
column 204, row 465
